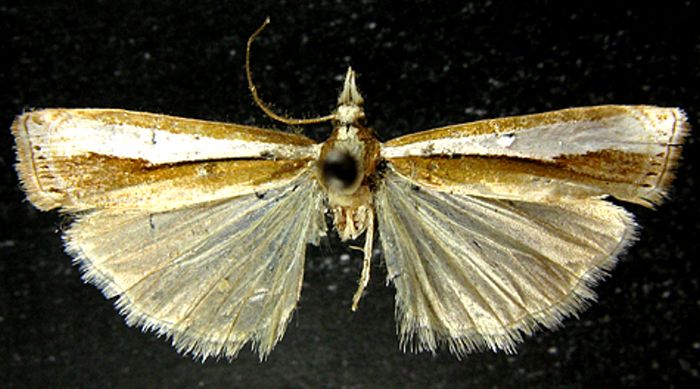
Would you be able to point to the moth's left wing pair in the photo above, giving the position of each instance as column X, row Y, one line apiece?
column 199, row 229
column 494, row 228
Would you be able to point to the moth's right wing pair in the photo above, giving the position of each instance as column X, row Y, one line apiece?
column 198, row 229
column 494, row 228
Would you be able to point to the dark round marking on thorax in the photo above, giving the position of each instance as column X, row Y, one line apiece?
column 339, row 167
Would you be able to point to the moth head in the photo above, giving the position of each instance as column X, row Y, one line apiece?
column 350, row 102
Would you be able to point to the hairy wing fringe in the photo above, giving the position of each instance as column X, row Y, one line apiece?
column 213, row 277
column 468, row 280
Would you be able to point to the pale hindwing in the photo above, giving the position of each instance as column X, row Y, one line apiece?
column 473, row 273
column 214, row 276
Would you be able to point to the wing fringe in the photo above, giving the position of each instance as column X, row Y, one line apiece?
column 304, row 206
column 458, row 338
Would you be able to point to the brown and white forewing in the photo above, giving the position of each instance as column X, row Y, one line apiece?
column 628, row 152
column 475, row 272
column 212, row 276
column 80, row 159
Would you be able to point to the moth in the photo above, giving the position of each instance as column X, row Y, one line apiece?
column 489, row 230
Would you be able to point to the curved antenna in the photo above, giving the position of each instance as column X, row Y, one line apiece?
column 258, row 100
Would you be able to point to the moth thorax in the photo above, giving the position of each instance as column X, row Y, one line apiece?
column 340, row 171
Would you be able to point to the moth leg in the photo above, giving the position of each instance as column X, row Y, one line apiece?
column 367, row 260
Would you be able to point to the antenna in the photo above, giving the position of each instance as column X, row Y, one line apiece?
column 253, row 90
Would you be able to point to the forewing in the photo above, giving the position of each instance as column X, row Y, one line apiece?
column 214, row 276
column 472, row 272
column 79, row 159
column 628, row 152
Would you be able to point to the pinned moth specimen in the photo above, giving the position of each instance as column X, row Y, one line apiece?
column 489, row 230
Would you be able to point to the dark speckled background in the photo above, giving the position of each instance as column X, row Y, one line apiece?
column 421, row 65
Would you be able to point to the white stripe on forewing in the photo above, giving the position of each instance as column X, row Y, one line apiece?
column 622, row 133
column 75, row 137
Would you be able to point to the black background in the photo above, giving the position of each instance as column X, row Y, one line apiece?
column 420, row 64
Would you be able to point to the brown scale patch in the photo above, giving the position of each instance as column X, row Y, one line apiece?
column 85, row 176
column 625, row 176
column 613, row 165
